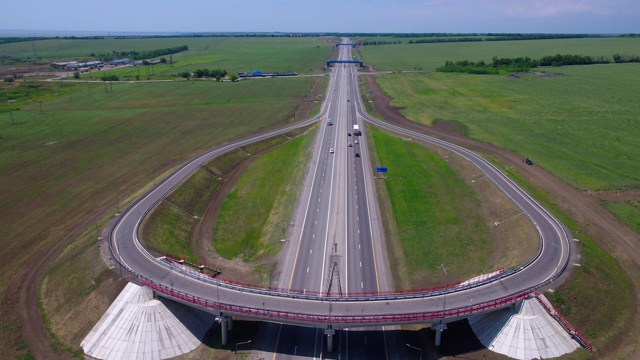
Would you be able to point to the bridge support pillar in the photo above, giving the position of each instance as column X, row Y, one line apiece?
column 230, row 323
column 329, row 332
column 224, row 329
column 439, row 327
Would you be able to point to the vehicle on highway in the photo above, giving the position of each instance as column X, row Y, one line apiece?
column 356, row 130
column 528, row 161
column 329, row 122
column 348, row 134
column 349, row 145
column 331, row 151
column 357, row 154
column 356, row 142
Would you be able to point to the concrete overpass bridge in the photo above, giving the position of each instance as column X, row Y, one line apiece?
column 331, row 62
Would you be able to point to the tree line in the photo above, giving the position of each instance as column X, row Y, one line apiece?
column 431, row 38
column 523, row 64
column 137, row 55
column 204, row 73
column 380, row 42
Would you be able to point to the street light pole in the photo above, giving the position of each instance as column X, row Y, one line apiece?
column 416, row 348
column 446, row 285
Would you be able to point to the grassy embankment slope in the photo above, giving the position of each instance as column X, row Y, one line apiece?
column 579, row 126
column 256, row 213
column 173, row 226
column 442, row 212
column 84, row 156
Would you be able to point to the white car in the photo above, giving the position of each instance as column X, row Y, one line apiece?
column 356, row 142
column 331, row 151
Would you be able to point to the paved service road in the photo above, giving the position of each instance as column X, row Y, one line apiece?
column 304, row 301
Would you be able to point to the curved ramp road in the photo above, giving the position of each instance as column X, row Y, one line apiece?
column 365, row 307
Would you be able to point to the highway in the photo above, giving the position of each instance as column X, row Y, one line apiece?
column 334, row 252
column 339, row 224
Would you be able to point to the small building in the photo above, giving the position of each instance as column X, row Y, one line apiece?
column 119, row 62
column 72, row 65
column 59, row 64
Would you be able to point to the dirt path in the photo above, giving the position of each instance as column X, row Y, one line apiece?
column 598, row 223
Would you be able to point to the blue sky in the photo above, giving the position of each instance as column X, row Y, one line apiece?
column 530, row 16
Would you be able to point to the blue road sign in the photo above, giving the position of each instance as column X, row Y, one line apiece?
column 381, row 169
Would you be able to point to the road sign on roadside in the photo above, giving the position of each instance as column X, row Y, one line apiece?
column 381, row 169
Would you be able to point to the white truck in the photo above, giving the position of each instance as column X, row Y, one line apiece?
column 356, row 130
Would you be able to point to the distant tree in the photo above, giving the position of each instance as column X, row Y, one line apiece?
column 163, row 60
column 145, row 62
column 76, row 75
column 218, row 78
column 184, row 74
column 109, row 78
column 9, row 79
column 234, row 77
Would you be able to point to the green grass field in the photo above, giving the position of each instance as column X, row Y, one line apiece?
column 252, row 218
column 627, row 212
column 83, row 156
column 436, row 214
column 581, row 126
column 233, row 54
column 430, row 56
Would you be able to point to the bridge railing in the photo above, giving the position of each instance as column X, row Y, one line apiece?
column 564, row 323
column 338, row 319
column 351, row 296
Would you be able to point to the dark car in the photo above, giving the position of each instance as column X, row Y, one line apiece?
column 528, row 161
column 357, row 154
column 348, row 134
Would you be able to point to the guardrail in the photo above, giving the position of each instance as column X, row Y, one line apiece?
column 335, row 319
column 315, row 295
column 564, row 323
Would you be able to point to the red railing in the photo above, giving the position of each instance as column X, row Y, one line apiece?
column 565, row 324
column 392, row 293
column 173, row 260
column 332, row 318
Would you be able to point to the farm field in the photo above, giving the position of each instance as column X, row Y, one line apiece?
column 581, row 126
column 78, row 162
column 628, row 212
column 234, row 54
column 428, row 57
